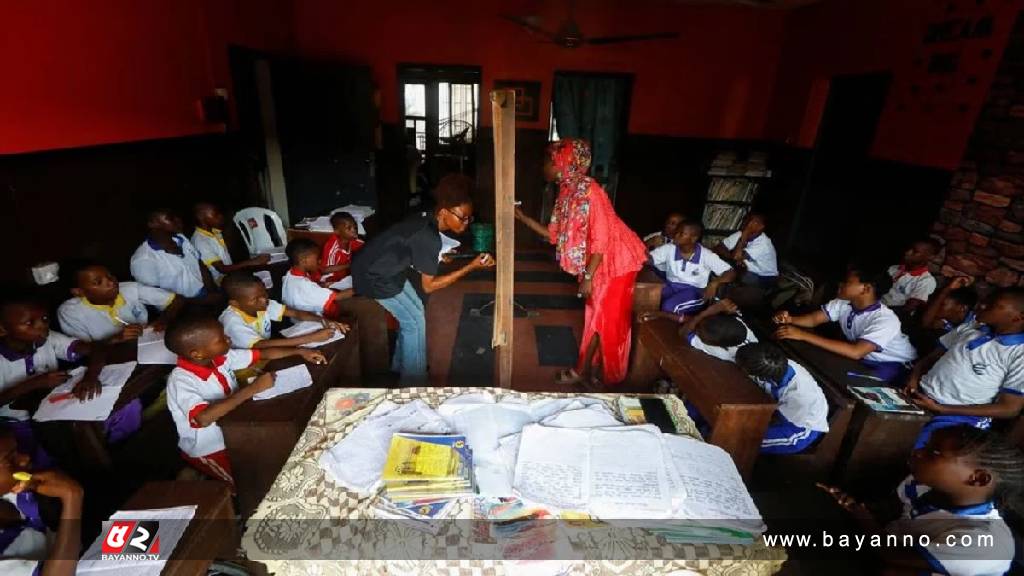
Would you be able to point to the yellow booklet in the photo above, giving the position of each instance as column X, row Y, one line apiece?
column 410, row 459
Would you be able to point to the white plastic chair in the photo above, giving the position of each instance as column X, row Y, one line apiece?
column 261, row 229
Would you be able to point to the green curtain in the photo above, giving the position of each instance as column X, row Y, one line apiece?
column 593, row 108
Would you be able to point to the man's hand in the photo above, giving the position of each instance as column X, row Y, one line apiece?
column 910, row 388
column 960, row 282
column 787, row 332
column 87, row 389
column 313, row 356
column 339, row 326
column 586, row 288
column 782, row 318
column 724, row 306
column 262, row 382
column 520, row 215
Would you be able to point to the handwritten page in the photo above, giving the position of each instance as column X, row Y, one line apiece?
column 170, row 525
column 265, row 277
column 714, row 488
column 343, row 284
column 628, row 476
column 152, row 349
column 308, row 327
column 552, row 466
column 286, row 381
column 60, row 404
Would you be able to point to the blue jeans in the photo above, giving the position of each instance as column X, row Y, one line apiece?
column 411, row 355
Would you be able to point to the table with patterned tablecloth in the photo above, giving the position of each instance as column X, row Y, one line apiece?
column 306, row 518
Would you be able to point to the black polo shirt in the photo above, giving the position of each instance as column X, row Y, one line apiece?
column 379, row 268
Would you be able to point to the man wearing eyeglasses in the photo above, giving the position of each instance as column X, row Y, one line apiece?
column 380, row 269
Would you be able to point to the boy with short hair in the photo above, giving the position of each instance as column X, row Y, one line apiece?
column 977, row 373
column 802, row 414
column 751, row 250
column 873, row 333
column 108, row 310
column 718, row 331
column 301, row 288
column 688, row 268
column 912, row 283
column 203, row 389
column 336, row 258
column 667, row 232
column 247, row 319
column 952, row 306
column 208, row 239
column 166, row 259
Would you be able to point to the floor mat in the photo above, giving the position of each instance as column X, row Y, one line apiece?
column 556, row 346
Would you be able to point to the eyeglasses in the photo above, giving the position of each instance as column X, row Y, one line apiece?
column 463, row 219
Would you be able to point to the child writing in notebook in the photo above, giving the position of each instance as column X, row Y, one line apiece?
column 202, row 388
column 336, row 258
column 208, row 239
column 29, row 355
column 977, row 373
column 302, row 288
column 247, row 319
column 802, row 414
column 872, row 332
column 692, row 272
column 27, row 545
column 104, row 309
column 948, row 511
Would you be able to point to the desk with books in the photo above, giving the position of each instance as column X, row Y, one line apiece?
column 304, row 517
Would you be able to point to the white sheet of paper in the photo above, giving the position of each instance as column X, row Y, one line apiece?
column 173, row 523
column 307, row 327
column 359, row 213
column 152, row 349
column 713, row 485
column 264, row 276
column 593, row 416
column 552, row 467
column 276, row 257
column 286, row 381
column 448, row 244
column 343, row 284
column 357, row 460
column 113, row 378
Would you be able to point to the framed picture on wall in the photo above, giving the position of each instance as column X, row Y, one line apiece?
column 527, row 98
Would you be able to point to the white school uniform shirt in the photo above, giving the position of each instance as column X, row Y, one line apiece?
column 16, row 367
column 211, row 247
column 876, row 324
column 947, row 529
column 909, row 285
column 759, row 252
column 727, row 354
column 179, row 274
column 300, row 292
column 245, row 330
column 30, row 546
column 192, row 388
column 696, row 271
column 91, row 322
column 799, row 398
column 976, row 367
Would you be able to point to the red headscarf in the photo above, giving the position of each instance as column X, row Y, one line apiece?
column 570, row 220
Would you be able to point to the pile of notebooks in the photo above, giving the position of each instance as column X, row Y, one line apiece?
column 424, row 474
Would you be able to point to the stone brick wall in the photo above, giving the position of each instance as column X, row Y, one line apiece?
column 982, row 219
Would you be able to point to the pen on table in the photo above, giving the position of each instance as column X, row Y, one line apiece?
column 868, row 376
column 60, row 397
column 123, row 323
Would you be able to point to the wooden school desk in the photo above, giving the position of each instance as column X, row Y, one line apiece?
column 737, row 410
column 89, row 440
column 212, row 533
column 647, row 292
column 877, row 445
column 260, row 434
column 320, row 238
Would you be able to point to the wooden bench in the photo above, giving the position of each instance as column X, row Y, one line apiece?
column 647, row 291
column 259, row 435
column 212, row 533
column 737, row 410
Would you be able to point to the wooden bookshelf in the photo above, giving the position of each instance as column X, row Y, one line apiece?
column 735, row 183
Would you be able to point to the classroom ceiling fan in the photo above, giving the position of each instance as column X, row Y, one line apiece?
column 569, row 34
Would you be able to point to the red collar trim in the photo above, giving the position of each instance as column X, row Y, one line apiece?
column 204, row 372
column 296, row 272
column 914, row 272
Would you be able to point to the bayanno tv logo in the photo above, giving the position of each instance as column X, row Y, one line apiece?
column 130, row 540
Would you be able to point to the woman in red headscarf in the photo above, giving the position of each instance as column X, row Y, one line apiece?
column 594, row 245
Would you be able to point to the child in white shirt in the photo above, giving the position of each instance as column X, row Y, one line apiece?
column 692, row 272
column 208, row 239
column 752, row 251
column 873, row 333
column 912, row 283
column 166, row 259
column 718, row 331
column 301, row 289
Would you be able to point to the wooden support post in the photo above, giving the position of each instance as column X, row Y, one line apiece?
column 503, row 109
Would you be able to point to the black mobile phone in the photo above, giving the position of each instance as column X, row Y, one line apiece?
column 656, row 413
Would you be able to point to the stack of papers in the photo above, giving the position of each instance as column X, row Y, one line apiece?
column 169, row 525
column 152, row 349
column 61, row 404
column 266, row 278
column 359, row 214
column 277, row 255
column 422, row 466
column 287, row 381
column 308, row 327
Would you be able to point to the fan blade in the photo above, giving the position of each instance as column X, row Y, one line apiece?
column 530, row 27
column 632, row 38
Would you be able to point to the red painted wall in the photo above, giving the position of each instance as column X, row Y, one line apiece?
column 928, row 125
column 84, row 72
column 714, row 81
